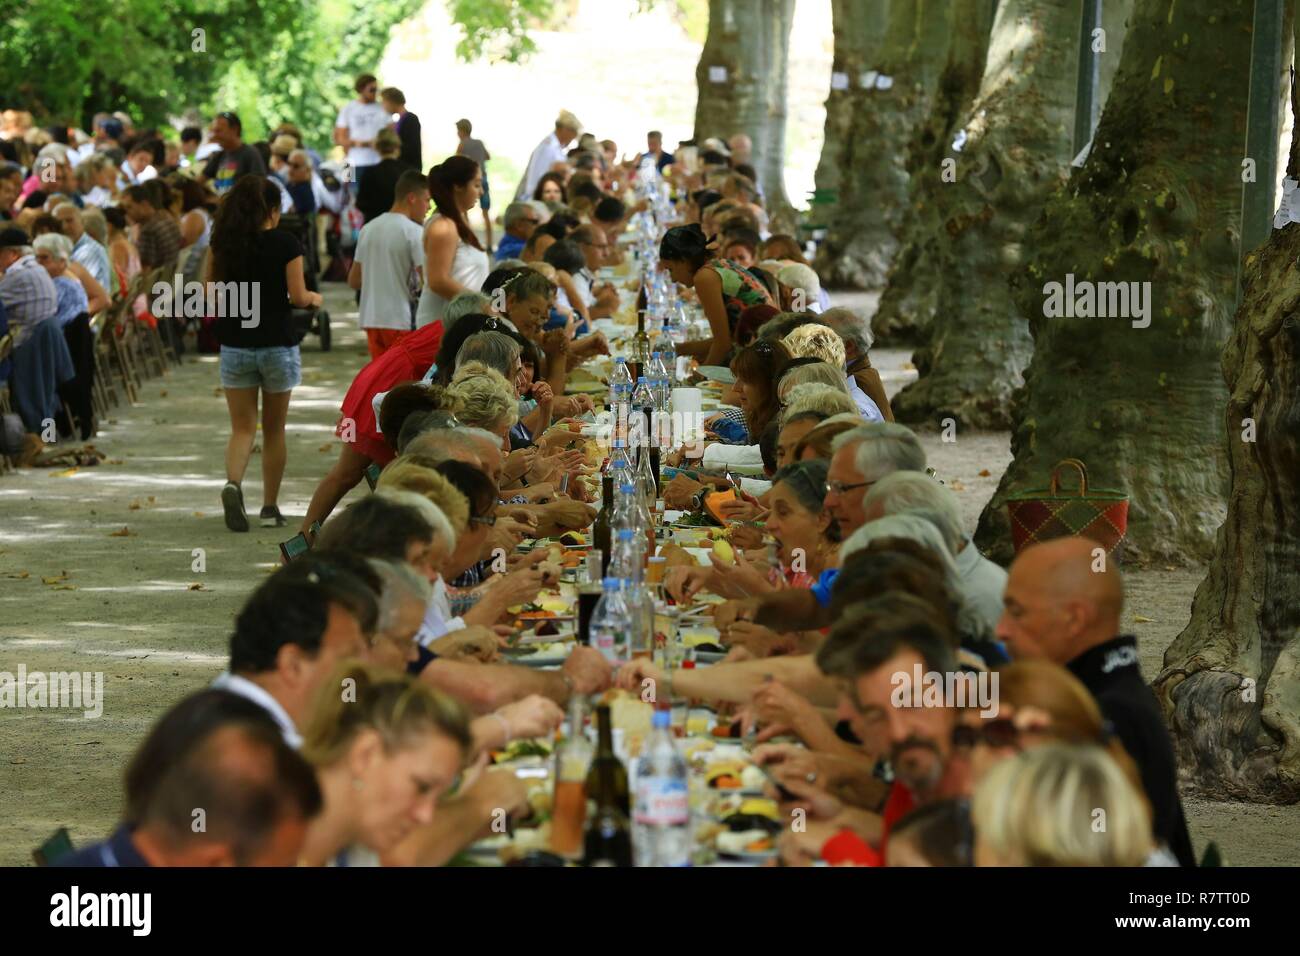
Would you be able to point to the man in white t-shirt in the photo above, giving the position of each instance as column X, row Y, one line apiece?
column 389, row 264
column 553, row 149
column 359, row 123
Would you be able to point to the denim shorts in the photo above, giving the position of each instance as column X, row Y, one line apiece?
column 277, row 368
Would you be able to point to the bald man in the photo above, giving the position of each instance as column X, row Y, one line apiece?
column 1063, row 604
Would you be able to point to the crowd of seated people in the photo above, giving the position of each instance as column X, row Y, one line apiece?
column 852, row 563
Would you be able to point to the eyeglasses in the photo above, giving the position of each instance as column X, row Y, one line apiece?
column 839, row 487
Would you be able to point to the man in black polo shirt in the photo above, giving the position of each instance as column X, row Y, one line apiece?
column 222, row 753
column 1063, row 605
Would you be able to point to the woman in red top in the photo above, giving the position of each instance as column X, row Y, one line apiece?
column 405, row 361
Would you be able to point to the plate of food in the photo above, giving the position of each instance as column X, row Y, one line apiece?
column 545, row 654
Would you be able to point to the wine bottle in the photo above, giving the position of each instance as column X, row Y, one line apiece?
column 601, row 531
column 608, row 840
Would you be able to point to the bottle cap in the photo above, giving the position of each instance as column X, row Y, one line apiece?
column 625, row 534
column 661, row 719
column 641, row 380
column 626, row 489
column 609, row 584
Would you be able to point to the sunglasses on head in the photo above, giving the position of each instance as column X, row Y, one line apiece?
column 999, row 732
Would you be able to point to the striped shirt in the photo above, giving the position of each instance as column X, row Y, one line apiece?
column 29, row 297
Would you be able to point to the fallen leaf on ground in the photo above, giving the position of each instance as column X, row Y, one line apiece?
column 124, row 532
column 1140, row 619
column 116, row 461
column 56, row 579
column 197, row 587
column 956, row 485
column 134, row 506
column 163, row 393
column 985, row 473
column 19, row 574
column 324, row 448
column 66, row 473
column 64, row 587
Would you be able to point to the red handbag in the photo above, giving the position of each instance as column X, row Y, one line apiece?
column 1099, row 514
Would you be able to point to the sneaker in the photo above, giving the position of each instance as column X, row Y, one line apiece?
column 232, row 500
column 271, row 517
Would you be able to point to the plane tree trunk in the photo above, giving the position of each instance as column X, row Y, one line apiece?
column 1155, row 214
column 748, row 46
column 870, row 156
column 1017, row 152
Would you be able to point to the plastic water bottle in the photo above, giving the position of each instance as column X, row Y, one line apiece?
column 609, row 620
column 621, row 465
column 661, row 811
column 659, row 377
column 624, row 559
column 643, row 407
column 620, row 394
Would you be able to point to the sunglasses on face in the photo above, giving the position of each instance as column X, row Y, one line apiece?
column 1000, row 732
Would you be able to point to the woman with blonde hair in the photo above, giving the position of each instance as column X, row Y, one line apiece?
column 385, row 747
column 824, row 343
column 484, row 399
column 1060, row 805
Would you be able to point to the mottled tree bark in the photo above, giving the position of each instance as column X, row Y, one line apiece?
column 908, row 301
column 1157, row 205
column 750, row 40
column 1017, row 151
column 1232, row 677
column 871, row 156
column 859, row 32
column 1231, row 681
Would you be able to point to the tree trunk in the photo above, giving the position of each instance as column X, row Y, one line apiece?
column 871, row 156
column 908, row 301
column 1231, row 681
column 1157, row 204
column 749, row 42
column 857, row 40
column 1017, row 151
column 1232, row 677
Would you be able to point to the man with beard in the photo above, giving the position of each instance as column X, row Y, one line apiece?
column 871, row 663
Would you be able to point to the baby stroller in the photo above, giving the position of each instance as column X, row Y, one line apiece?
column 315, row 321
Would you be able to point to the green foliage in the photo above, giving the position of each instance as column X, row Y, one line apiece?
column 498, row 29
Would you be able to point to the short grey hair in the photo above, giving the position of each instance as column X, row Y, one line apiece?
column 493, row 349
column 398, row 584
column 799, row 276
column 824, row 399
column 56, row 244
column 433, row 516
column 850, row 326
column 814, row 373
column 94, row 222
column 883, row 448
column 516, row 211
column 466, row 302
column 915, row 492
column 445, row 444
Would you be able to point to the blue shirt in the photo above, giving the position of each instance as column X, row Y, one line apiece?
column 117, row 851
column 866, row 407
column 822, row 589
column 510, row 247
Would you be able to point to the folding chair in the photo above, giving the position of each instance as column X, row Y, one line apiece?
column 6, row 350
column 104, row 390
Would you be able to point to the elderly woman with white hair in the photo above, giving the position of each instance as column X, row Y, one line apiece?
column 914, row 492
column 77, row 289
column 800, row 288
